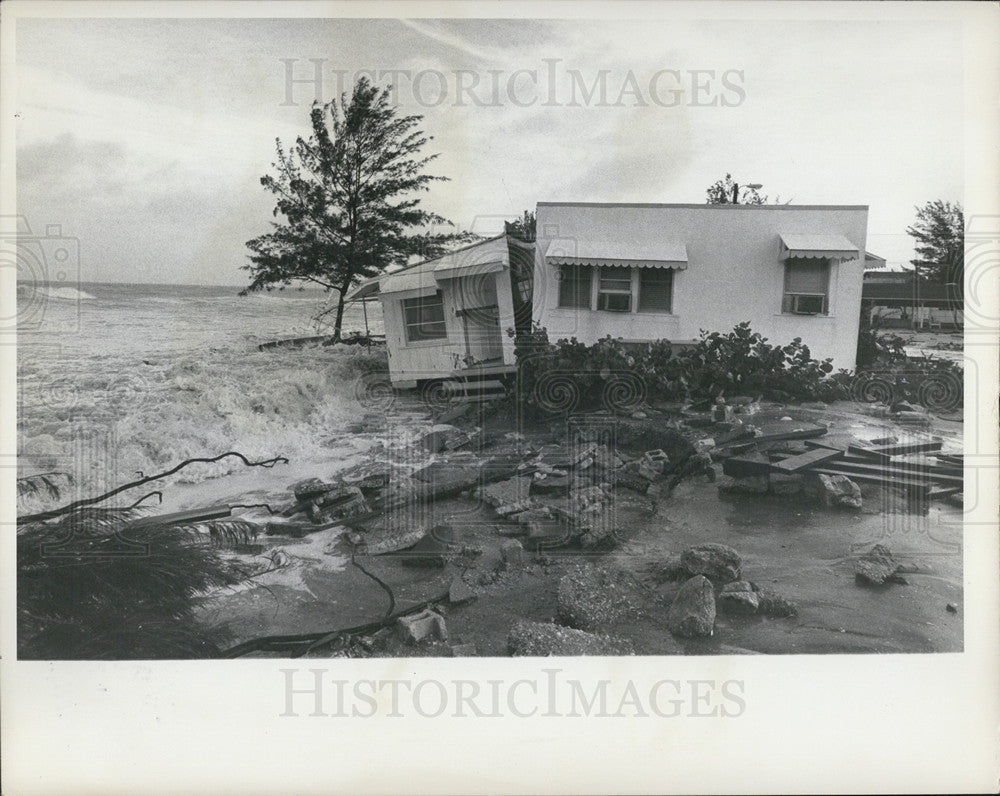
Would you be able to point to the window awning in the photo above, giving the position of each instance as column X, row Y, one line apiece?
column 663, row 254
column 831, row 247
column 452, row 270
column 420, row 278
column 365, row 290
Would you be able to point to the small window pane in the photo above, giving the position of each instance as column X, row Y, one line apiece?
column 655, row 289
column 574, row 286
column 614, row 302
column 616, row 279
column 423, row 318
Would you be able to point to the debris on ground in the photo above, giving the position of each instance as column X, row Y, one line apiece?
column 717, row 562
column 543, row 639
column 834, row 490
column 738, row 597
column 597, row 598
column 692, row 612
column 877, row 567
column 427, row 624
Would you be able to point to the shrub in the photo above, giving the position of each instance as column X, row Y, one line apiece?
column 612, row 374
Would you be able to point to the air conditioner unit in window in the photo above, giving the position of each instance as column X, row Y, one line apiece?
column 807, row 305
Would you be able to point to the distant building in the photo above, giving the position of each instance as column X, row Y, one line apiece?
column 897, row 299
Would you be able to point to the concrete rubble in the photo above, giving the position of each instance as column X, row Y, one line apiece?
column 457, row 515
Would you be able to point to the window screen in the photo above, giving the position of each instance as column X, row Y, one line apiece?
column 806, row 286
column 424, row 318
column 655, row 289
column 574, row 286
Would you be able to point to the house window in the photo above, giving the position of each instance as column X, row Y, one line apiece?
column 574, row 286
column 423, row 318
column 656, row 287
column 807, row 286
column 614, row 291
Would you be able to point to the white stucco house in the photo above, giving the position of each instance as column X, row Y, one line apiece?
column 638, row 272
column 666, row 271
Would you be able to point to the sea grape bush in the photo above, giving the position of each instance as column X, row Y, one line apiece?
column 738, row 362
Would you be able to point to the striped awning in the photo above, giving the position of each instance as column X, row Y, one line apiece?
column 829, row 247
column 663, row 254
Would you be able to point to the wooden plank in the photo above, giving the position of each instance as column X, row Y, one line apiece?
column 183, row 517
column 747, row 466
column 909, row 447
column 872, row 454
column 894, row 469
column 919, row 487
column 794, row 464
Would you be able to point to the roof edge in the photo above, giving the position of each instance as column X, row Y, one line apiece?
column 730, row 206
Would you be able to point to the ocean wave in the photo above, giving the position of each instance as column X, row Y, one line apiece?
column 149, row 417
column 54, row 292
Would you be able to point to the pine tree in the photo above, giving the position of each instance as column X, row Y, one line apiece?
column 348, row 199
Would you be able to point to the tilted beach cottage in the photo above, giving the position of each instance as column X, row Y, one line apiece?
column 448, row 317
column 638, row 272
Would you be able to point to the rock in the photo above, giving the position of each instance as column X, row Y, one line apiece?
column 453, row 413
column 311, row 488
column 834, row 490
column 424, row 625
column 391, row 540
column 542, row 639
column 512, row 553
column 433, row 550
column 565, row 457
column 592, row 598
column 876, row 567
column 460, row 592
column 693, row 610
column 951, row 608
column 462, row 650
column 738, row 597
column 718, row 562
column 751, row 485
column 507, row 497
column 782, row 484
column 772, row 604
column 444, row 478
column 545, row 484
column 956, row 499
column 444, row 437
column 631, row 480
column 703, row 445
column 337, row 504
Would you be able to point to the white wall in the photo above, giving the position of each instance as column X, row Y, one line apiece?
column 734, row 273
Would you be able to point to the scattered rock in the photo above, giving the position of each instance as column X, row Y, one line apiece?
column 751, row 485
column 951, row 608
column 311, row 488
column 877, row 567
column 591, row 597
column 444, row 437
column 738, row 597
column 693, row 610
column 542, row 639
column 460, row 592
column 718, row 562
column 782, row 484
column 632, row 480
column 337, row 504
column 426, row 624
column 834, row 490
column 392, row 540
column 772, row 604
column 512, row 553
column 433, row 550
column 507, row 497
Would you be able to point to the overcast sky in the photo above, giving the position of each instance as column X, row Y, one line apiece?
column 146, row 139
